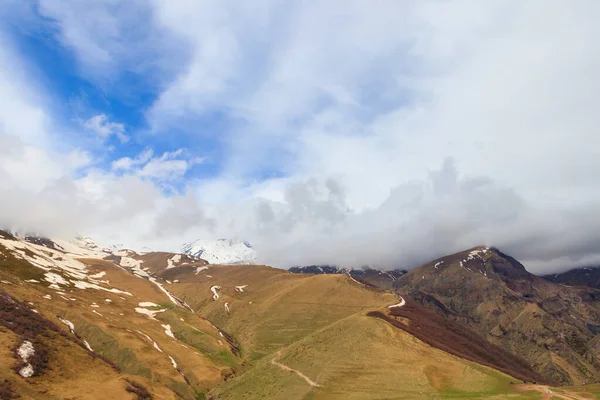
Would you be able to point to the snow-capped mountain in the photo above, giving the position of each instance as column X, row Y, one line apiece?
column 221, row 251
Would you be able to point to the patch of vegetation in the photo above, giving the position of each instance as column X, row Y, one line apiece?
column 108, row 349
column 577, row 343
column 197, row 339
column 30, row 326
column 182, row 389
column 39, row 359
column 6, row 390
column 20, row 319
column 138, row 390
column 19, row 268
column 224, row 358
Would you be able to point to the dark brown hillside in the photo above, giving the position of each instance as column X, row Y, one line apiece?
column 455, row 339
column 582, row 277
column 551, row 326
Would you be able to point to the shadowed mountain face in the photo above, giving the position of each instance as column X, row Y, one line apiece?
column 456, row 339
column 582, row 277
column 553, row 327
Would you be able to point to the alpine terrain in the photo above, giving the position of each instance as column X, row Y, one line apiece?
column 221, row 251
column 78, row 320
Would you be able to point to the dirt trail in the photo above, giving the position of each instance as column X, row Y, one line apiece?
column 360, row 283
column 300, row 374
column 548, row 394
column 402, row 303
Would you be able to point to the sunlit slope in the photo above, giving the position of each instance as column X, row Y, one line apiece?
column 360, row 357
column 138, row 328
column 188, row 330
column 271, row 308
column 72, row 374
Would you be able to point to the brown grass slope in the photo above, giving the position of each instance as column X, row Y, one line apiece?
column 266, row 333
column 455, row 339
column 272, row 307
column 57, row 360
column 551, row 326
column 190, row 362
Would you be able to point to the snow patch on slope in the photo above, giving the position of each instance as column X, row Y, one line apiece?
column 26, row 351
column 149, row 313
column 168, row 330
column 221, row 251
column 215, row 293
column 176, row 259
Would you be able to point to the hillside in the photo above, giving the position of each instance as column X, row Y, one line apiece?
column 167, row 326
column 583, row 277
column 372, row 277
column 129, row 320
column 553, row 327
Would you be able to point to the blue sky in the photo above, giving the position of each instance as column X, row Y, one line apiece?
column 123, row 98
column 398, row 130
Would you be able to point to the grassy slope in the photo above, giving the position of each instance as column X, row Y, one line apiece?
column 319, row 325
column 276, row 308
column 114, row 334
column 314, row 324
column 65, row 377
column 363, row 358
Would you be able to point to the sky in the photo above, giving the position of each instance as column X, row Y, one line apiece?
column 382, row 133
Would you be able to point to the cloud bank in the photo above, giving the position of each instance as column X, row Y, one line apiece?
column 350, row 133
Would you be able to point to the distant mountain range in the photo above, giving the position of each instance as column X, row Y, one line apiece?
column 367, row 275
column 221, row 251
column 172, row 325
column 586, row 276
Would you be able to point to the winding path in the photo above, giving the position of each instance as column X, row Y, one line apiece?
column 548, row 394
column 402, row 303
column 300, row 374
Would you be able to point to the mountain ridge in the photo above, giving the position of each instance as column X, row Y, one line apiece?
column 581, row 276
column 179, row 327
column 493, row 294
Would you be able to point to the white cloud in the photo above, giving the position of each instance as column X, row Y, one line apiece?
column 369, row 98
column 169, row 166
column 127, row 163
column 104, row 128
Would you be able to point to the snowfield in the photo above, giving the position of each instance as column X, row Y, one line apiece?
column 176, row 259
column 148, row 304
column 221, row 251
column 215, row 293
column 150, row 313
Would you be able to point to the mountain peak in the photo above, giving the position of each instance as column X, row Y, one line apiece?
column 221, row 251
column 583, row 277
